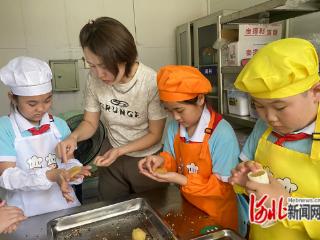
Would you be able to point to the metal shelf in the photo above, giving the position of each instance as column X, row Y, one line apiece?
column 231, row 69
column 212, row 97
column 266, row 12
column 242, row 120
column 272, row 11
column 208, row 65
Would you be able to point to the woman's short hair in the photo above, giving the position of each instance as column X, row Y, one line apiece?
column 110, row 40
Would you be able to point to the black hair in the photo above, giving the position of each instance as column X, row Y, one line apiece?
column 111, row 41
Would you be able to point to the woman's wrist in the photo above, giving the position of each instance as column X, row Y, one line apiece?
column 122, row 150
column 74, row 136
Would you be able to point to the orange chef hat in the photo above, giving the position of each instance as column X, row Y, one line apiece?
column 180, row 83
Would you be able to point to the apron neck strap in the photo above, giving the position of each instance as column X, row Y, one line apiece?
column 315, row 149
column 214, row 120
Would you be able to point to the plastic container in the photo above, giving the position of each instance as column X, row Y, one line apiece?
column 238, row 102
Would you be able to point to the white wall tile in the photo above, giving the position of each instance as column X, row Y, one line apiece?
column 156, row 57
column 45, row 24
column 122, row 10
column 7, row 54
column 156, row 20
column 78, row 13
column 11, row 25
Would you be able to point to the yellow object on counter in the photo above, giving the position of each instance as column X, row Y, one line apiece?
column 161, row 170
column 138, row 234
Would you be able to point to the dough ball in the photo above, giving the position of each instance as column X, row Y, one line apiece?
column 138, row 234
column 161, row 170
column 74, row 171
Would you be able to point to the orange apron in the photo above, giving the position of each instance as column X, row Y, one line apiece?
column 203, row 189
column 302, row 171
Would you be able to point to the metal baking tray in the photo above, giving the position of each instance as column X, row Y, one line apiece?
column 224, row 234
column 110, row 223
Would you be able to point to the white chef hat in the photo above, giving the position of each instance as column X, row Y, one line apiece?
column 27, row 76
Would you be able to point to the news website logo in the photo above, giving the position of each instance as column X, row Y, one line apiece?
column 296, row 209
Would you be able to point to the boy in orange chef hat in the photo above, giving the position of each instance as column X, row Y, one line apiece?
column 283, row 80
column 194, row 154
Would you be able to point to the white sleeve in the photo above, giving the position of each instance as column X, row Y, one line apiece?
column 14, row 178
column 69, row 164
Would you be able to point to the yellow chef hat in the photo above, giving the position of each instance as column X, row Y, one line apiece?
column 27, row 76
column 280, row 69
column 179, row 83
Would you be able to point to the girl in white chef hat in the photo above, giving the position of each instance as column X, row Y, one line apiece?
column 35, row 180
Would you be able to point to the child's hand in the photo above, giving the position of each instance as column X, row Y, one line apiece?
column 239, row 175
column 171, row 177
column 83, row 171
column 150, row 163
column 10, row 218
column 274, row 190
column 62, row 178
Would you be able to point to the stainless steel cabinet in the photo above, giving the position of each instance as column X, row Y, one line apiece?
column 184, row 44
column 195, row 42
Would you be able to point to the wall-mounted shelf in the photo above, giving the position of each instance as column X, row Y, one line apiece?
column 272, row 11
column 266, row 12
column 208, row 65
column 241, row 120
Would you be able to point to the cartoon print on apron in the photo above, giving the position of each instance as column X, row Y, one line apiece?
column 36, row 152
column 194, row 159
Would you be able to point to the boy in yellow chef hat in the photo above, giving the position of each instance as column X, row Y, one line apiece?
column 283, row 81
column 194, row 154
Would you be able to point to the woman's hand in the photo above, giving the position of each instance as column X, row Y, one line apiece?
column 108, row 158
column 239, row 175
column 150, row 163
column 10, row 218
column 65, row 148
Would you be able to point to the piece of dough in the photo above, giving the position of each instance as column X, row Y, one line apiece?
column 138, row 234
column 161, row 170
column 74, row 171
column 260, row 176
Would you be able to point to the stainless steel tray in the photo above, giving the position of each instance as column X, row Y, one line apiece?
column 110, row 223
column 224, row 234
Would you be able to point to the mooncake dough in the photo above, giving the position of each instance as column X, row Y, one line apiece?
column 138, row 234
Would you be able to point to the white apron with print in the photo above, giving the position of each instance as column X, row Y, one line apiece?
column 35, row 152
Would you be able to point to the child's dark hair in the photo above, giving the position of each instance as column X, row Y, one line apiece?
column 14, row 97
column 111, row 41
